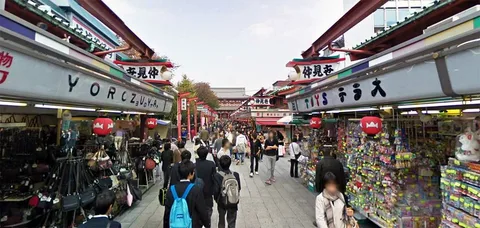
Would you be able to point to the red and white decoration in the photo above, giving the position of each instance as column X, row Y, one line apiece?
column 151, row 123
column 371, row 125
column 315, row 122
column 102, row 126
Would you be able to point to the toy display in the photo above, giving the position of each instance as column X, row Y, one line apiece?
column 468, row 146
column 391, row 183
column 460, row 184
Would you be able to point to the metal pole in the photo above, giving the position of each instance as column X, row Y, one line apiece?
column 2, row 4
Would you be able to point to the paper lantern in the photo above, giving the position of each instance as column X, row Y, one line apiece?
column 371, row 125
column 167, row 75
column 315, row 122
column 102, row 126
column 151, row 123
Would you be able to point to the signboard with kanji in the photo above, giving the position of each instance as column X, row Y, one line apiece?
column 317, row 70
column 146, row 73
column 259, row 101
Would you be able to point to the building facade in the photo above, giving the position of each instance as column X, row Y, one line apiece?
column 230, row 99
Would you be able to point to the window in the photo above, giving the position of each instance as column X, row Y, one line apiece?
column 391, row 17
column 378, row 18
column 403, row 13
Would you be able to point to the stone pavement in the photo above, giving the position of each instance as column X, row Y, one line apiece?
column 286, row 203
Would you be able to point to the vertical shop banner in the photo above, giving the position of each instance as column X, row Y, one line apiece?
column 184, row 104
column 33, row 78
column 395, row 86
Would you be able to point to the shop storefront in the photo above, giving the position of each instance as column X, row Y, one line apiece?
column 398, row 118
column 71, row 126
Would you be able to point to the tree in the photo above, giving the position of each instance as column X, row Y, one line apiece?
column 183, row 86
column 205, row 94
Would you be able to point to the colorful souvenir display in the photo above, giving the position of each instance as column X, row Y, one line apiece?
column 468, row 146
column 390, row 183
column 460, row 186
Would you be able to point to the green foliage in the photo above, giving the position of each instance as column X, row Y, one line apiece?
column 205, row 93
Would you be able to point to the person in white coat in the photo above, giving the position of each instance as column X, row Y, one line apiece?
column 330, row 210
column 295, row 152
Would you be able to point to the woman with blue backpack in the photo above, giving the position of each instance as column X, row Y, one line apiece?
column 185, row 205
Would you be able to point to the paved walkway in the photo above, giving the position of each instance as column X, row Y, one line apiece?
column 284, row 204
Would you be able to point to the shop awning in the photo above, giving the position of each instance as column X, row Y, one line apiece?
column 300, row 122
column 285, row 120
column 268, row 121
column 163, row 122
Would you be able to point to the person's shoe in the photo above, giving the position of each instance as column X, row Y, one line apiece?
column 256, row 173
column 251, row 174
column 273, row 179
column 268, row 182
column 315, row 223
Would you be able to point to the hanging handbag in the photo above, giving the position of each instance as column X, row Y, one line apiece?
column 136, row 193
column 129, row 196
column 121, row 196
column 150, row 164
column 162, row 196
column 104, row 183
column 88, row 196
column 71, row 202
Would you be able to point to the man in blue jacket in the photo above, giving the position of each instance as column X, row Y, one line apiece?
column 103, row 208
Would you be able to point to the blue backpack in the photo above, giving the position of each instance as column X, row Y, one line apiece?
column 179, row 214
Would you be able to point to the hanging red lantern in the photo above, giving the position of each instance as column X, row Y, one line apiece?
column 151, row 123
column 102, row 126
column 371, row 125
column 315, row 122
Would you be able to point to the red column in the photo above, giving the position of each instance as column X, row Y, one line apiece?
column 188, row 119
column 179, row 118
column 195, row 124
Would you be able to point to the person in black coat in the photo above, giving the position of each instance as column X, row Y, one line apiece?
column 330, row 164
column 231, row 210
column 205, row 170
column 167, row 161
column 103, row 208
column 195, row 200
column 174, row 175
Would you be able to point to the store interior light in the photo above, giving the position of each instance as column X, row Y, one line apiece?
column 134, row 113
column 424, row 112
column 10, row 103
column 386, row 107
column 64, row 107
column 472, row 110
column 353, row 110
column 440, row 104
column 109, row 111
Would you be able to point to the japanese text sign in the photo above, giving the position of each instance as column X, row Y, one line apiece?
column 317, row 70
column 37, row 79
column 261, row 101
column 146, row 73
column 394, row 86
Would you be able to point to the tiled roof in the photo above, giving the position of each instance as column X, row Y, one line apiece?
column 409, row 19
column 59, row 22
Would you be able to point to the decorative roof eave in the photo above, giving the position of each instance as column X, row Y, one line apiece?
column 59, row 22
column 314, row 60
column 412, row 26
column 287, row 91
column 149, row 63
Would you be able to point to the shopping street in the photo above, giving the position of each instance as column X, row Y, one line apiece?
column 284, row 204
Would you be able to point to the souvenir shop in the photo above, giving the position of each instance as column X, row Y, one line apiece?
column 406, row 131
column 69, row 130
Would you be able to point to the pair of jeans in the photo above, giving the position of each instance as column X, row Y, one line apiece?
column 231, row 217
column 293, row 168
column 118, row 142
column 241, row 156
column 271, row 160
column 254, row 162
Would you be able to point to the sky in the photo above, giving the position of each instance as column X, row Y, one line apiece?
column 229, row 43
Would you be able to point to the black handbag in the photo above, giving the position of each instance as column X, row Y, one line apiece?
column 71, row 202
column 104, row 183
column 136, row 193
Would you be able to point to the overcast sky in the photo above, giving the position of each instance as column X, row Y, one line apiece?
column 229, row 43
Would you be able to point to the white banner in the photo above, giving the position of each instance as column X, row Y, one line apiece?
column 395, row 86
column 317, row 70
column 261, row 101
column 32, row 78
column 145, row 73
